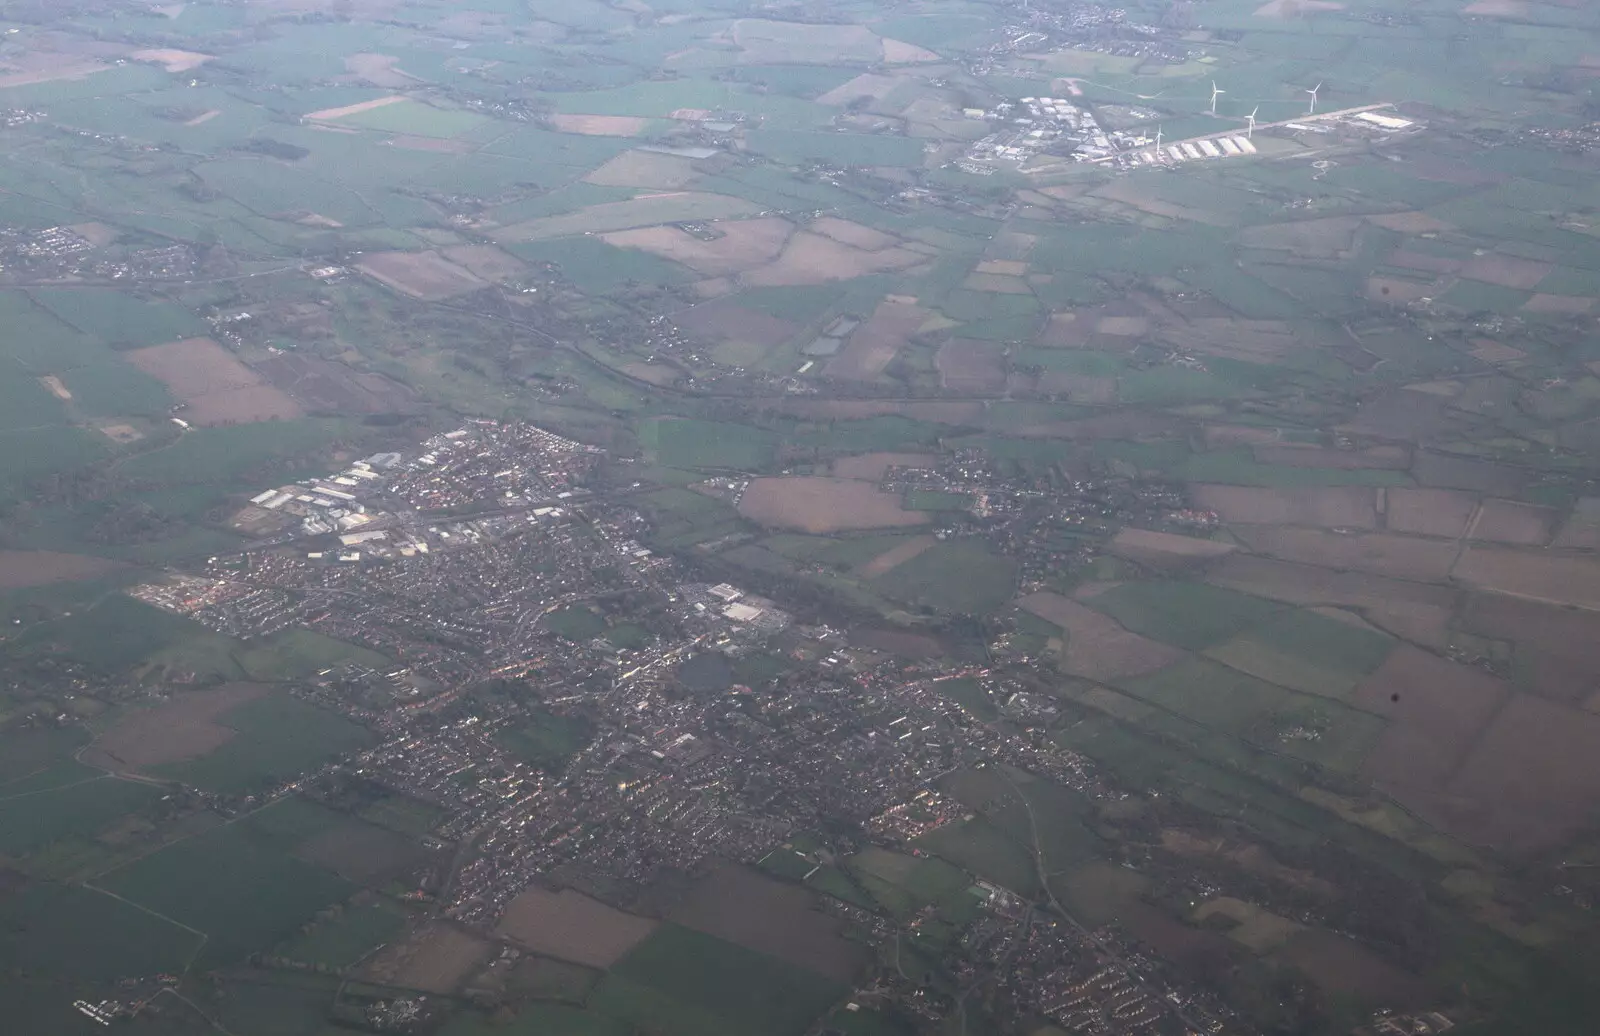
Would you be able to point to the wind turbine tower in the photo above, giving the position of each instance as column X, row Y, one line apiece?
column 1215, row 93
column 1313, row 92
column 1158, row 138
column 1250, row 128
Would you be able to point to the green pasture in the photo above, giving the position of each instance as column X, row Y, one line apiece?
column 297, row 654
column 415, row 118
column 545, row 739
column 680, row 982
column 112, row 634
column 1228, row 702
column 122, row 319
column 952, row 577
column 688, row 443
column 575, row 622
column 1307, row 651
column 538, row 1019
column 235, row 884
column 904, row 884
column 31, row 820
column 343, row 940
column 1186, row 615
column 796, row 147
column 980, row 847
column 68, row 933
column 278, row 737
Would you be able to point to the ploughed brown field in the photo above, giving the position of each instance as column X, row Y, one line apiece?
column 873, row 345
column 22, row 568
column 186, row 727
column 571, row 926
column 422, row 275
column 1097, row 646
column 437, row 958
column 217, row 387
column 819, row 505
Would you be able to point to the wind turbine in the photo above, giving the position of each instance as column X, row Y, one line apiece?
column 1215, row 93
column 1250, row 129
column 1158, row 138
column 1313, row 92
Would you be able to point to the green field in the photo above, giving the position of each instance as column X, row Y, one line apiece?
column 113, row 634
column 970, row 695
column 545, row 739
column 539, row 1020
column 904, row 884
column 416, row 118
column 278, row 738
column 122, row 320
column 679, row 981
column 31, row 821
column 297, row 654
column 401, row 813
column 575, row 623
column 936, row 500
column 955, row 576
column 236, row 884
column 980, row 847
column 1228, row 702
column 682, row 443
column 342, row 941
column 70, row 933
column 1187, row 615
column 1307, row 651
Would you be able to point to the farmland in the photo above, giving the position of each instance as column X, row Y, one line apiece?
column 215, row 386
column 573, row 927
column 273, row 737
column 820, row 505
column 1201, row 535
column 239, row 890
column 679, row 980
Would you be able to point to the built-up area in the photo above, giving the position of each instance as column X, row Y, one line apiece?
column 466, row 564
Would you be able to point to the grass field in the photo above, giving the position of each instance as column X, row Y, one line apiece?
column 680, row 982
column 342, row 941
column 1232, row 703
column 296, row 654
column 277, row 737
column 31, row 820
column 575, row 623
column 546, row 740
column 538, row 1020
column 236, row 884
column 936, row 500
column 1186, row 615
column 415, row 118
column 113, row 634
column 952, row 577
column 119, row 318
column 682, row 516
column 979, row 846
column 683, row 443
column 404, row 814
column 1307, row 651
column 904, row 884
column 70, row 933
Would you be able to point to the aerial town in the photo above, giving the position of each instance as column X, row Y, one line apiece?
column 950, row 518
column 461, row 561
